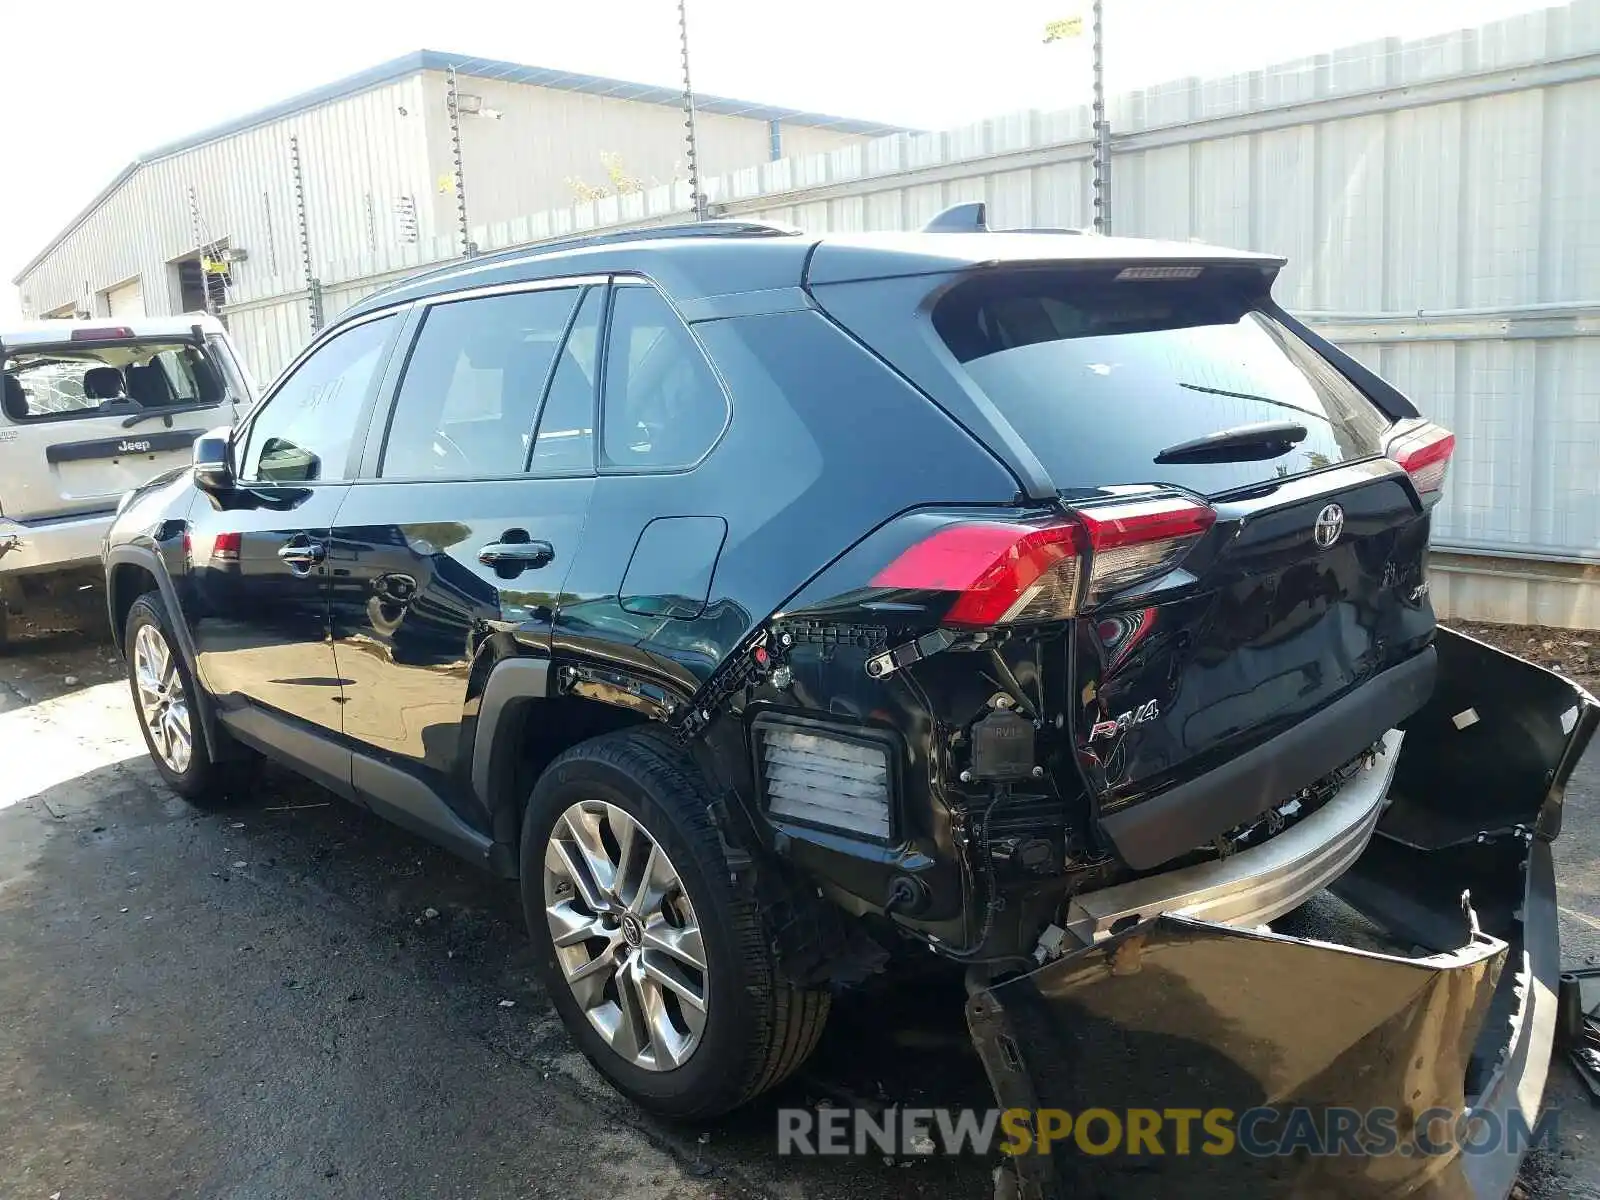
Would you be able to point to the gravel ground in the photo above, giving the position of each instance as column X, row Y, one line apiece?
column 295, row 999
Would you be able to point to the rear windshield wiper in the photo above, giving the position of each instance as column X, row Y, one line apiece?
column 149, row 414
column 1211, row 391
column 1265, row 439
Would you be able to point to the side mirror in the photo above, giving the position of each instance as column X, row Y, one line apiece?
column 213, row 462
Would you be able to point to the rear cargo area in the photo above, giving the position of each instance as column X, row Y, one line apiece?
column 1220, row 670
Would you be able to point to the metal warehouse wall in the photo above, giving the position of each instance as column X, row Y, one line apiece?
column 1439, row 202
column 520, row 162
column 359, row 156
column 243, row 189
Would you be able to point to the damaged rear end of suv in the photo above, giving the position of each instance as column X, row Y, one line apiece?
column 1187, row 684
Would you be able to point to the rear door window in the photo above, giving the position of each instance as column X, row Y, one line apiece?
column 1099, row 375
column 663, row 407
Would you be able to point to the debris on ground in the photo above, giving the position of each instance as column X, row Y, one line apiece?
column 1574, row 653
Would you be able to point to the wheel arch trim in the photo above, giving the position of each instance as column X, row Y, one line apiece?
column 149, row 561
column 512, row 681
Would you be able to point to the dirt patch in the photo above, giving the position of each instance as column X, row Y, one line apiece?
column 1574, row 653
column 58, row 640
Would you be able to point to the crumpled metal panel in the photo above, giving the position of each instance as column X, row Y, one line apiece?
column 1186, row 1014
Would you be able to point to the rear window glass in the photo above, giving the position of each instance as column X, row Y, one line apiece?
column 78, row 380
column 1099, row 376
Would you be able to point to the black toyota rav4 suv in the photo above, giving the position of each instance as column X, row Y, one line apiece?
column 768, row 604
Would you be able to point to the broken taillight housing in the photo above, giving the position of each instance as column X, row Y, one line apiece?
column 1424, row 450
column 1013, row 573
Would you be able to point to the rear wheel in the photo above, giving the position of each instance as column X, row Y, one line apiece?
column 168, row 702
column 656, row 962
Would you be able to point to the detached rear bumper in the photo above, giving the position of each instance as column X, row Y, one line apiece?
column 29, row 548
column 1390, row 1008
column 1188, row 1015
column 1262, row 883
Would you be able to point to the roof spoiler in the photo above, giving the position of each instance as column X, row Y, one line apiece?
column 973, row 217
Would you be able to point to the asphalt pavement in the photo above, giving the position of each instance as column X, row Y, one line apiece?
column 292, row 998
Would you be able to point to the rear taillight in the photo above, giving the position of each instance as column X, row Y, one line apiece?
column 1011, row 573
column 223, row 548
column 1140, row 539
column 1424, row 450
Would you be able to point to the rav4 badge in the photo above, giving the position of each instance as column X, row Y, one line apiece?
column 1148, row 711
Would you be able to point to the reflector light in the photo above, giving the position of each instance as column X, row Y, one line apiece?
column 822, row 780
column 1151, row 274
column 1425, row 453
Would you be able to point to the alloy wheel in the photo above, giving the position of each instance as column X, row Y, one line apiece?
column 163, row 703
column 626, row 935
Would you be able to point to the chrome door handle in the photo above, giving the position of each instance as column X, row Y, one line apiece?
column 516, row 554
column 301, row 556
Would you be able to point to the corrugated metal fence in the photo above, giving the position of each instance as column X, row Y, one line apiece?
column 1438, row 200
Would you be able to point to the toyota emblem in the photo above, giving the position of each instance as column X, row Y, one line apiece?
column 1330, row 524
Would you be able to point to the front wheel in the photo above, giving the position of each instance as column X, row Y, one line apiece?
column 168, row 705
column 655, row 960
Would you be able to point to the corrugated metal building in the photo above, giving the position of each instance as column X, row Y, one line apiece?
column 362, row 171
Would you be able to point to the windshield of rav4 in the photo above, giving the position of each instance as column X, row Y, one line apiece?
column 1104, row 373
column 81, row 379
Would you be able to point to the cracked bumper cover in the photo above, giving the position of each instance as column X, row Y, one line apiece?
column 1388, row 995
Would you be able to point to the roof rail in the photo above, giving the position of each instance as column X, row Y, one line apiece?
column 973, row 217
column 721, row 228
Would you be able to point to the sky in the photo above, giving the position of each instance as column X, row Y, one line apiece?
column 138, row 75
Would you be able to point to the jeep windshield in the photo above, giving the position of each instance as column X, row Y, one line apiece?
column 133, row 377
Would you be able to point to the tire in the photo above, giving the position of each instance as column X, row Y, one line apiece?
column 755, row 1028
column 193, row 776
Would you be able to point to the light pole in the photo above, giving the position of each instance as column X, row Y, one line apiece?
column 1072, row 27
column 453, row 106
column 688, row 112
column 1102, row 131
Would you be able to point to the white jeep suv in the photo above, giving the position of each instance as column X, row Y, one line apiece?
column 90, row 410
